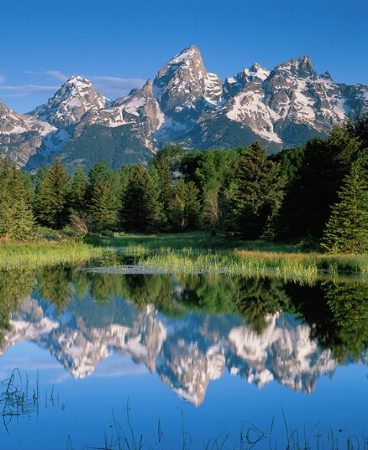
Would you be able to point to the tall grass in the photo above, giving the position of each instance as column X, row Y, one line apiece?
column 41, row 253
column 188, row 253
column 282, row 265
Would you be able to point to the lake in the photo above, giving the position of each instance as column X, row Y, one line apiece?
column 100, row 360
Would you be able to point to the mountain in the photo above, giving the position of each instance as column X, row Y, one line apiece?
column 184, row 105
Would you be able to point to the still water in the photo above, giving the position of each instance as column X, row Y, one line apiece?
column 96, row 360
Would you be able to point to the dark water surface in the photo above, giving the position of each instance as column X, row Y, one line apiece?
column 94, row 360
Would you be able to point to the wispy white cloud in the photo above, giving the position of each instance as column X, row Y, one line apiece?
column 110, row 86
column 26, row 90
column 115, row 85
column 55, row 74
column 117, row 365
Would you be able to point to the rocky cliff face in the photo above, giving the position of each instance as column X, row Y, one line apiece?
column 183, row 105
column 184, row 90
column 21, row 136
column 183, row 352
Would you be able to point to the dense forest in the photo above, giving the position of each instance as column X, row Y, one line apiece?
column 317, row 193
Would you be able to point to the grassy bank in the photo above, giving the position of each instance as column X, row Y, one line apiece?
column 186, row 253
column 194, row 252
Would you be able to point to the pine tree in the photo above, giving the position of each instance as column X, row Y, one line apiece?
column 53, row 196
column 164, row 169
column 141, row 210
column 16, row 216
column 103, row 206
column 183, row 210
column 347, row 228
column 78, row 192
column 258, row 194
column 323, row 166
column 104, row 196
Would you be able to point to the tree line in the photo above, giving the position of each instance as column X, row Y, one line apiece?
column 317, row 192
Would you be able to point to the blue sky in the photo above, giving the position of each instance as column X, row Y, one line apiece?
column 118, row 44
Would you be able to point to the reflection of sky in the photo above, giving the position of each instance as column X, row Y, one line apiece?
column 86, row 407
column 29, row 357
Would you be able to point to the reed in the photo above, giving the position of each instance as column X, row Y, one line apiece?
column 16, row 399
column 280, row 435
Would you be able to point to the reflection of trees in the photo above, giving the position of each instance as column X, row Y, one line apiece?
column 15, row 285
column 161, row 290
column 54, row 285
column 81, row 282
column 309, row 303
column 348, row 303
column 337, row 312
column 104, row 286
column 211, row 293
column 253, row 298
column 259, row 297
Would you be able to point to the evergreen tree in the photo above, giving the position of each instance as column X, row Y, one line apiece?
column 53, row 196
column 103, row 206
column 16, row 216
column 142, row 210
column 104, row 196
column 347, row 228
column 78, row 193
column 183, row 210
column 164, row 169
column 314, row 188
column 358, row 128
column 258, row 195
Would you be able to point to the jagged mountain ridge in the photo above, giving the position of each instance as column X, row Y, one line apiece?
column 185, row 105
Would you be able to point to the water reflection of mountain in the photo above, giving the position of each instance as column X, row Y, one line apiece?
column 186, row 352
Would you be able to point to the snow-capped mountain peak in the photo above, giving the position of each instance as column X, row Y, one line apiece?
column 256, row 71
column 75, row 97
column 301, row 67
column 184, row 89
column 186, row 56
